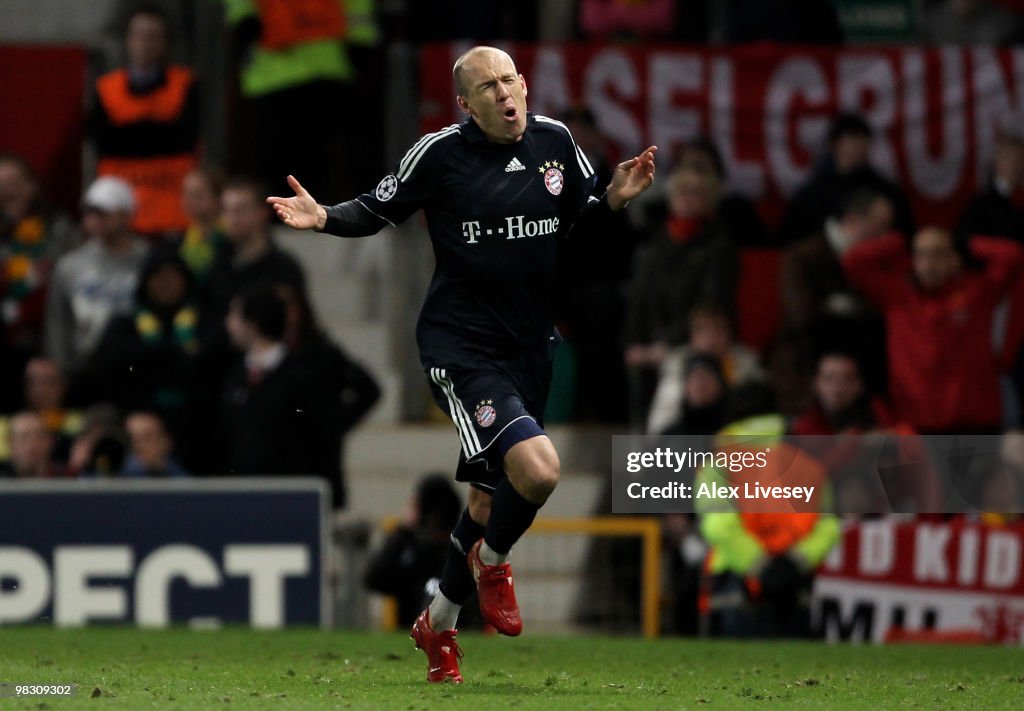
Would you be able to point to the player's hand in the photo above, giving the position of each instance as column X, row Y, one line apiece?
column 631, row 178
column 301, row 212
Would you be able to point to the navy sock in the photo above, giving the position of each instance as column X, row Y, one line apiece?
column 511, row 515
column 456, row 581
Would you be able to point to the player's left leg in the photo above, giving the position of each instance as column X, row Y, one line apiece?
column 456, row 580
column 434, row 630
column 532, row 470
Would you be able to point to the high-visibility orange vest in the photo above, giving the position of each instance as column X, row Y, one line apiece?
column 779, row 530
column 156, row 179
column 290, row 22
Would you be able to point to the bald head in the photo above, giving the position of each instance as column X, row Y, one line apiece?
column 492, row 92
column 470, row 58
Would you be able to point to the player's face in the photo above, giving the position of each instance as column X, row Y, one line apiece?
column 496, row 96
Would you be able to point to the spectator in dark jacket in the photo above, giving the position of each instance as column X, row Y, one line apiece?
column 691, row 260
column 351, row 389
column 820, row 310
column 999, row 209
column 275, row 415
column 704, row 405
column 248, row 260
column 251, row 257
column 734, row 210
column 844, row 167
column 149, row 359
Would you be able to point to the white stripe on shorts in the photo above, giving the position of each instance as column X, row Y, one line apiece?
column 463, row 424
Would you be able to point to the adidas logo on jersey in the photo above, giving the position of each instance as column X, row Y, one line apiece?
column 514, row 165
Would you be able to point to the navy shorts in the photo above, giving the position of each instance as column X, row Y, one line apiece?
column 494, row 405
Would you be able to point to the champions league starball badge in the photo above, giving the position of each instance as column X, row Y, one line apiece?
column 554, row 181
column 485, row 413
column 386, row 188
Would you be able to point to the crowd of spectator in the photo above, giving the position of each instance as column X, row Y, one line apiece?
column 189, row 354
column 149, row 302
column 166, row 335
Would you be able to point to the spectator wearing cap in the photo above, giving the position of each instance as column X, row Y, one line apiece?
column 843, row 167
column 97, row 281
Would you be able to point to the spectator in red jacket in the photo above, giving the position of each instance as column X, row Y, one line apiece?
column 938, row 300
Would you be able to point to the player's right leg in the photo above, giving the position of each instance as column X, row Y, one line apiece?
column 532, row 470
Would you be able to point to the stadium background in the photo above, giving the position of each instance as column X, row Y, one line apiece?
column 936, row 123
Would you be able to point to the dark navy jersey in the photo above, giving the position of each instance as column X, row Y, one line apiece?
column 494, row 212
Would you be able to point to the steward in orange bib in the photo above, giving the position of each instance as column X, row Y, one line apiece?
column 766, row 535
column 145, row 124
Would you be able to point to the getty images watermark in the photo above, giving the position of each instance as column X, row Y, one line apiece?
column 732, row 462
column 876, row 473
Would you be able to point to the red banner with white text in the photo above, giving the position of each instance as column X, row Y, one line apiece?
column 924, row 578
column 935, row 111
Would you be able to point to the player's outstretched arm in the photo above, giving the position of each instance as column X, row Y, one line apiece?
column 631, row 178
column 301, row 212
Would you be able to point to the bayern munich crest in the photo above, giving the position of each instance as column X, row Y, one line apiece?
column 485, row 413
column 386, row 188
column 554, row 180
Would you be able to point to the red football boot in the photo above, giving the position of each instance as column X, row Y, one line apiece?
column 443, row 653
column 497, row 595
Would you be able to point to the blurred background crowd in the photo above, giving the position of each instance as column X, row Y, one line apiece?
column 154, row 327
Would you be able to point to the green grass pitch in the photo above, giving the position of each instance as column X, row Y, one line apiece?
column 309, row 669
